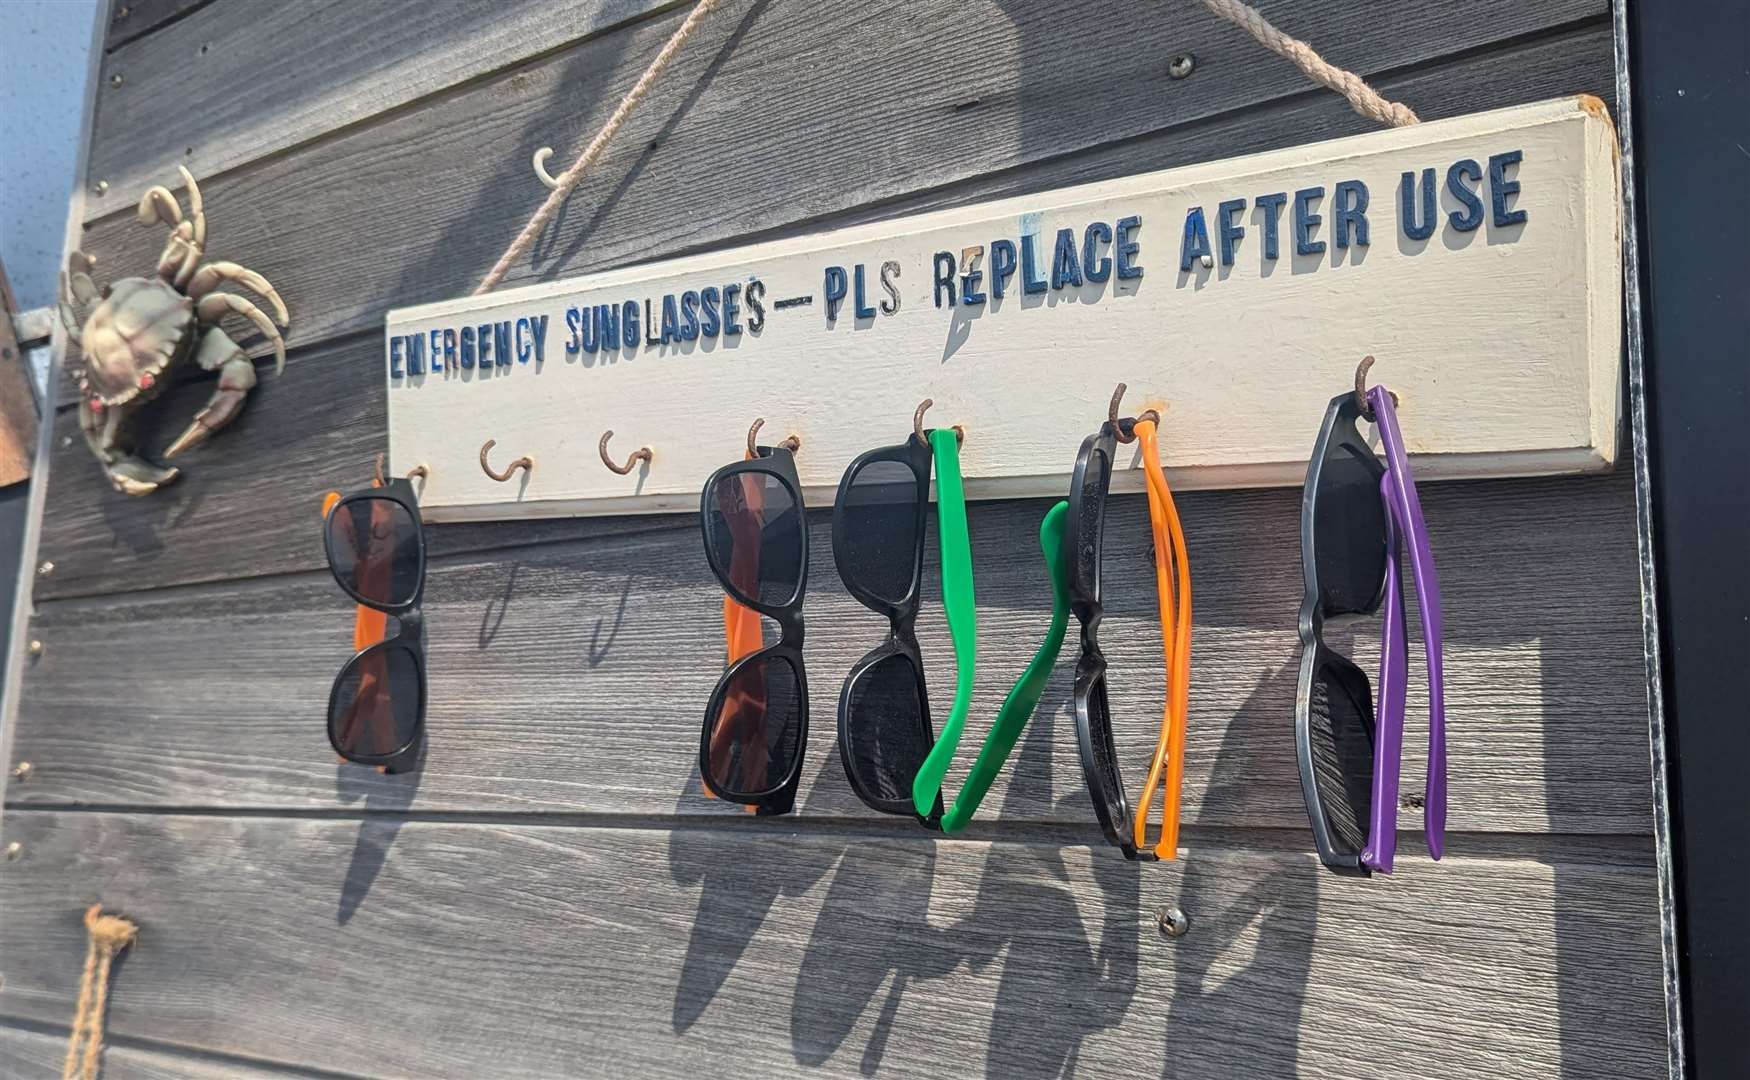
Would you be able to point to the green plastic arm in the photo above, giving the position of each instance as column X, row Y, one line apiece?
column 961, row 609
column 1023, row 697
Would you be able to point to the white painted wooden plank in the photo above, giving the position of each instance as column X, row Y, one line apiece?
column 769, row 948
column 1503, row 342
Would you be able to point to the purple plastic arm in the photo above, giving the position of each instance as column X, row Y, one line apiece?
column 1394, row 676
column 1409, row 513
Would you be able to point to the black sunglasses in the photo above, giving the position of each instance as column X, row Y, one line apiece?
column 1343, row 554
column 1087, row 522
column 878, row 544
column 376, row 549
column 756, row 540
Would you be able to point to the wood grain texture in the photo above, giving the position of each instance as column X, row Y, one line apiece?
column 105, row 542
column 776, row 949
column 571, row 676
column 131, row 19
column 27, row 1054
column 238, row 80
column 721, row 150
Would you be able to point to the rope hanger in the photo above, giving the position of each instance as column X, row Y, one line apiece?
column 1361, row 97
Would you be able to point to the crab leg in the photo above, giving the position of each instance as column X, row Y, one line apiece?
column 107, row 434
column 236, row 378
column 216, row 306
column 212, row 275
column 69, row 318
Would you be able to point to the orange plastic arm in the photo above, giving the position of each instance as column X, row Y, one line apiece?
column 1167, row 770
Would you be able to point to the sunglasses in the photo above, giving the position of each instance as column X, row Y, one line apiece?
column 878, row 545
column 1354, row 508
column 376, row 550
column 1089, row 486
column 756, row 540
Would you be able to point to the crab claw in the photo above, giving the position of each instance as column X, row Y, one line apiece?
column 137, row 476
column 236, row 379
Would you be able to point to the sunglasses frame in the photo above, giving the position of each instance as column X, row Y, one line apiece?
column 778, row 462
column 1091, row 667
column 410, row 636
column 1339, row 429
column 901, row 617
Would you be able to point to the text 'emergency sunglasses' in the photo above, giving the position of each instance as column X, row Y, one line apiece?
column 1353, row 511
column 756, row 540
column 878, row 543
column 1093, row 712
column 376, row 549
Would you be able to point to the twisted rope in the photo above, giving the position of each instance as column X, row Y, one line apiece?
column 1363, row 99
column 570, row 177
column 107, row 935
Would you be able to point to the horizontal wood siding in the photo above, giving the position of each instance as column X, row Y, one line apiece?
column 764, row 949
column 551, row 894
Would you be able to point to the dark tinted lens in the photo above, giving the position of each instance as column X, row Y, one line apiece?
column 887, row 738
column 1106, row 758
column 376, row 707
column 1090, row 527
column 756, row 529
column 754, row 735
column 878, row 545
column 1342, row 750
column 1348, row 533
column 373, row 544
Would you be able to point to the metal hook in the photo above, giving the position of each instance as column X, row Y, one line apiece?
column 541, row 172
column 790, row 443
column 917, row 423
column 524, row 462
column 640, row 454
column 1361, row 404
column 418, row 470
column 1126, row 432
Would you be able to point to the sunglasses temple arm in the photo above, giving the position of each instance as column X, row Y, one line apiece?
column 1024, row 696
column 961, row 609
column 1166, row 767
column 1409, row 511
column 1388, row 740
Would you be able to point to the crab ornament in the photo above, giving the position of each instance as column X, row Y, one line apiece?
column 143, row 329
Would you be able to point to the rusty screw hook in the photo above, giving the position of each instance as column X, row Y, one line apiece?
column 1126, row 431
column 418, row 470
column 790, row 443
column 917, row 423
column 524, row 462
column 640, row 454
column 1361, row 404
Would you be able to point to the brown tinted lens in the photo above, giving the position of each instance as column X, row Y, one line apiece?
column 756, row 531
column 373, row 545
column 1341, row 728
column 752, row 744
column 882, row 529
column 376, row 705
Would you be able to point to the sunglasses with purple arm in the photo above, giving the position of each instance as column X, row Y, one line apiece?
column 1354, row 508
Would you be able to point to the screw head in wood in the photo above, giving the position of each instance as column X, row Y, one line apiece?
column 66, row 441
column 1181, row 66
column 35, row 648
column 100, row 188
column 116, row 79
column 1173, row 922
column 14, row 850
column 21, row 771
column 123, row 12
column 45, row 568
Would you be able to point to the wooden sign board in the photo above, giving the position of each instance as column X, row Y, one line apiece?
column 1477, row 258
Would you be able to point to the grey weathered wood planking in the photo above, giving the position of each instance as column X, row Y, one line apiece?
column 26, row 1054
column 571, row 676
column 774, row 948
column 89, row 525
column 236, row 81
column 694, row 166
column 131, row 19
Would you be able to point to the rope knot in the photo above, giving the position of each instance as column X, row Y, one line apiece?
column 111, row 933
